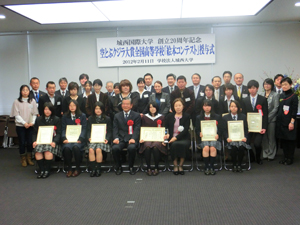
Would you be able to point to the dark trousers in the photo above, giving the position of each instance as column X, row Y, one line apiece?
column 117, row 150
column 288, row 147
column 25, row 136
column 156, row 156
column 256, row 138
column 68, row 154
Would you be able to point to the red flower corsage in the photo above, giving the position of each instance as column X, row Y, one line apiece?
column 54, row 131
column 258, row 107
column 130, row 124
column 216, row 122
column 55, row 128
column 159, row 122
column 77, row 121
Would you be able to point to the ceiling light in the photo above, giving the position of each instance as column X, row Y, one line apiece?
column 297, row 4
column 2, row 16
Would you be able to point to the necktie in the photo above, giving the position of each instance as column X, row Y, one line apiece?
column 217, row 95
column 234, row 117
column 279, row 92
column 181, row 94
column 239, row 92
column 126, row 116
column 253, row 103
column 196, row 92
column 171, row 89
column 63, row 93
column 73, row 117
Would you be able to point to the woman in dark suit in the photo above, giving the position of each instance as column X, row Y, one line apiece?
column 286, row 118
column 269, row 141
column 73, row 90
column 229, row 96
column 209, row 148
column 178, row 124
column 237, row 148
column 87, row 91
column 143, row 96
column 73, row 117
column 209, row 94
column 162, row 99
column 46, row 151
column 96, row 149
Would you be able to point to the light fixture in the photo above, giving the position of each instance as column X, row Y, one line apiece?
column 117, row 10
column 2, row 16
column 297, row 4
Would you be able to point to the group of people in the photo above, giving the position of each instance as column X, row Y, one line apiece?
column 174, row 107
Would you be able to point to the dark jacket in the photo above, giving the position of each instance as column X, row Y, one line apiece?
column 57, row 106
column 200, row 91
column 184, row 121
column 67, row 120
column 188, row 99
column 220, row 124
column 143, row 102
column 118, row 102
column 164, row 103
column 167, row 89
column 227, row 118
column 91, row 100
column 106, row 120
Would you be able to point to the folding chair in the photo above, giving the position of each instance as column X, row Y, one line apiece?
column 11, row 131
column 3, row 130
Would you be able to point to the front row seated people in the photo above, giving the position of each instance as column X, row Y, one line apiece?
column 44, row 152
column 126, row 133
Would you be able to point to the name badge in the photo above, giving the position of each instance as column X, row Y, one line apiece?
column 162, row 100
column 244, row 96
column 286, row 108
column 146, row 96
column 201, row 94
column 187, row 99
column 58, row 103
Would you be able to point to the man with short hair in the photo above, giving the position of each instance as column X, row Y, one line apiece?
column 82, row 79
column 227, row 75
column 218, row 92
column 35, row 92
column 63, row 91
column 185, row 94
column 196, row 87
column 171, row 79
column 126, row 133
column 240, row 90
column 110, row 88
column 56, row 100
column 148, row 82
column 277, row 83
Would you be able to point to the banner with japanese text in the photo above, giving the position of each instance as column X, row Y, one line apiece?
column 156, row 50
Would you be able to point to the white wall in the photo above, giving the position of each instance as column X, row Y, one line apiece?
column 250, row 50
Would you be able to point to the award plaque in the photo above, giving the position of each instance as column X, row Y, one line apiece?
column 254, row 122
column 73, row 132
column 152, row 134
column 236, row 130
column 45, row 135
column 98, row 133
column 208, row 130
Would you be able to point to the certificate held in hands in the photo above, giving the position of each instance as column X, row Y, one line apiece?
column 254, row 122
column 209, row 130
column 152, row 134
column 98, row 133
column 73, row 132
column 236, row 130
column 45, row 135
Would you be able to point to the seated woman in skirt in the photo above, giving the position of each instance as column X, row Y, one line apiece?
column 209, row 148
column 237, row 148
column 95, row 149
column 178, row 124
column 73, row 117
column 152, row 119
column 44, row 153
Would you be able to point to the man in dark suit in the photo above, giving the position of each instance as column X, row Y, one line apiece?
column 185, row 94
column 148, row 82
column 51, row 97
column 63, row 84
column 277, row 83
column 196, row 87
column 227, row 75
column 126, row 133
column 171, row 79
column 218, row 92
column 35, row 92
column 110, row 88
column 240, row 90
column 256, row 103
column 96, row 96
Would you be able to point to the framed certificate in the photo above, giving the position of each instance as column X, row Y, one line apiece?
column 73, row 132
column 236, row 130
column 208, row 130
column 254, row 122
column 152, row 134
column 98, row 133
column 45, row 135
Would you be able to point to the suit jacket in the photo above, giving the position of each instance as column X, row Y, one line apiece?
column 118, row 101
column 67, row 120
column 188, row 99
column 67, row 99
column 200, row 90
column 221, row 94
column 273, row 103
column 223, row 106
column 120, row 127
column 164, row 103
column 106, row 120
column 59, row 94
column 240, row 116
column 245, row 92
column 57, row 105
column 167, row 89
column 32, row 95
column 184, row 121
column 152, row 89
column 142, row 102
column 109, row 94
column 53, row 121
column 81, row 90
column 261, row 100
column 91, row 100
column 220, row 124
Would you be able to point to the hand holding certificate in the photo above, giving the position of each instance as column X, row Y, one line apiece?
column 209, row 130
column 236, row 130
column 98, row 133
column 72, row 133
column 45, row 135
column 254, row 122
column 152, row 134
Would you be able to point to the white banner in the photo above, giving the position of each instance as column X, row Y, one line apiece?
column 156, row 50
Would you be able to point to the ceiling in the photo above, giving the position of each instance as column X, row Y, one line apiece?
column 277, row 11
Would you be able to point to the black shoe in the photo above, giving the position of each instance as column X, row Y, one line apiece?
column 98, row 173
column 288, row 162
column 92, row 173
column 40, row 175
column 259, row 162
column 181, row 171
column 234, row 169
column 46, row 174
column 175, row 172
column 212, row 171
column 207, row 171
column 132, row 171
column 239, row 169
column 119, row 171
column 282, row 161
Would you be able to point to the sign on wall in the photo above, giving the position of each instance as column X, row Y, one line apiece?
column 156, row 50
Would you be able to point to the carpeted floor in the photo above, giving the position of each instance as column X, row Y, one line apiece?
column 268, row 194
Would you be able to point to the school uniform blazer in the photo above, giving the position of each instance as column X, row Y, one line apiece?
column 67, row 120
column 223, row 106
column 240, row 116
column 261, row 100
column 120, row 127
column 32, row 95
column 67, row 99
column 188, row 99
column 57, row 104
column 273, row 103
column 164, row 105
column 199, row 105
column 106, row 120
column 91, row 100
column 220, row 124
column 142, row 102
column 167, row 89
column 59, row 94
column 53, row 121
column 200, row 90
column 184, row 121
column 245, row 91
